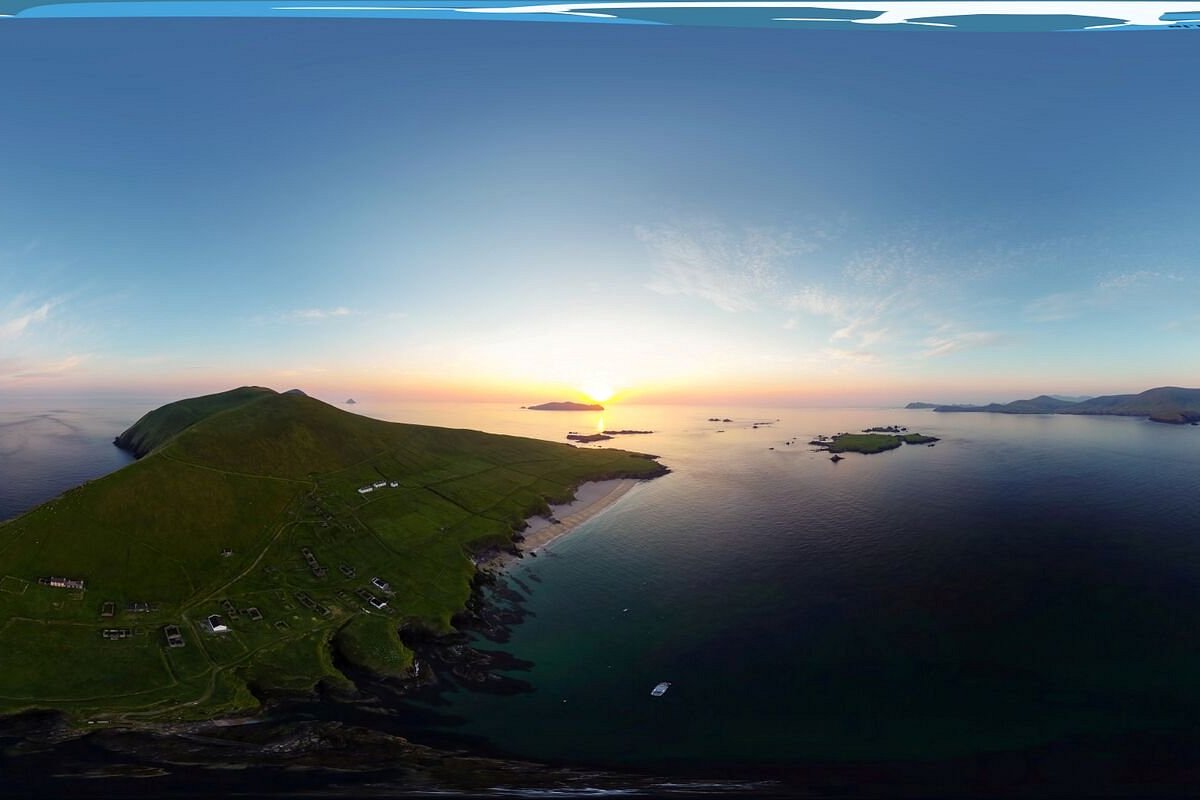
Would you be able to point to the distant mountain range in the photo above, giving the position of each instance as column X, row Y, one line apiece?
column 1169, row 404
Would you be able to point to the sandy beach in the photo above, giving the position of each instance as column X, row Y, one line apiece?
column 590, row 499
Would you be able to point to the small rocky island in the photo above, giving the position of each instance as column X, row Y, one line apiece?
column 566, row 405
column 868, row 442
column 600, row 437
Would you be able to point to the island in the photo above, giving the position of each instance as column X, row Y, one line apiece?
column 263, row 544
column 1167, row 404
column 867, row 442
column 350, row 401
column 566, row 405
column 600, row 437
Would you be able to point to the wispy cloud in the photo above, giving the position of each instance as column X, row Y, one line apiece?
column 307, row 314
column 304, row 315
column 887, row 299
column 817, row 301
column 1187, row 323
column 1108, row 292
column 734, row 272
column 15, row 326
column 18, row 368
column 854, row 355
column 859, row 317
column 1126, row 280
column 947, row 342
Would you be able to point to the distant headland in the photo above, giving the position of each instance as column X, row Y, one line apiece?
column 1167, row 404
column 566, row 405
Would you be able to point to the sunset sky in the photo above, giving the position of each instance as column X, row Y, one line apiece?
column 530, row 211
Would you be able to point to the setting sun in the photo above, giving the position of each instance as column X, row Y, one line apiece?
column 598, row 392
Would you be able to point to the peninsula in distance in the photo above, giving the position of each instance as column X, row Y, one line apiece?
column 1167, row 404
column 260, row 541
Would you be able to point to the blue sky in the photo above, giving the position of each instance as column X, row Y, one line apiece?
column 500, row 210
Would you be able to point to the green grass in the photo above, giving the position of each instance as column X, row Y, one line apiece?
column 863, row 443
column 870, row 442
column 918, row 438
column 263, row 477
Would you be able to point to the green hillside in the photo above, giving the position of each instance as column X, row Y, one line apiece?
column 161, row 424
column 247, row 505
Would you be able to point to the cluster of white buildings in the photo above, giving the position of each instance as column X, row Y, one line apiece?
column 62, row 583
column 378, row 485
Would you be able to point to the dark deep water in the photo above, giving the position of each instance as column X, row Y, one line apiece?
column 1015, row 609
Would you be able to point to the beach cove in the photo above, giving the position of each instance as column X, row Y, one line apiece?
column 591, row 499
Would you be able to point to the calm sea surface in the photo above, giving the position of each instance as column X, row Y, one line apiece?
column 1031, row 580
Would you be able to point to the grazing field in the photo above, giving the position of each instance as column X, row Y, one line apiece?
column 247, row 506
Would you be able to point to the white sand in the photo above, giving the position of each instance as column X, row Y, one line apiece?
column 590, row 499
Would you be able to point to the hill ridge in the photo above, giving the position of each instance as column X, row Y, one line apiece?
column 1167, row 404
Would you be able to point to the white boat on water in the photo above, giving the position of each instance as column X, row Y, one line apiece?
column 661, row 689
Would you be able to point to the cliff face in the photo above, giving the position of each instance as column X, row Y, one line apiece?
column 163, row 424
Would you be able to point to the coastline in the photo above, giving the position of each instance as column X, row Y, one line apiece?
column 591, row 499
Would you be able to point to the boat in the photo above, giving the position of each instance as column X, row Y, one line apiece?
column 661, row 689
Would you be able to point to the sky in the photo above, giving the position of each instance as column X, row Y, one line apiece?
column 522, row 211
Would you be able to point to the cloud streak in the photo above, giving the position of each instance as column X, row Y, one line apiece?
column 946, row 343
column 876, row 304
column 733, row 272
column 1109, row 292
column 17, row 368
column 310, row 314
column 16, row 326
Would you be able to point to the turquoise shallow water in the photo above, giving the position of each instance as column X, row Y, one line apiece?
column 1029, row 582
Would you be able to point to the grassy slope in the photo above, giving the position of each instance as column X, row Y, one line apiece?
column 264, row 478
column 161, row 424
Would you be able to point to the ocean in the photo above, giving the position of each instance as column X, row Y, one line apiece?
column 1026, row 592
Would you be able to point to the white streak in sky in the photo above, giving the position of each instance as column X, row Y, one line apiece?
column 1144, row 13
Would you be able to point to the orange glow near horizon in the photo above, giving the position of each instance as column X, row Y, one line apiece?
column 829, row 388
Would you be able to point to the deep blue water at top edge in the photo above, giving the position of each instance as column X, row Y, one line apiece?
column 1028, row 580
